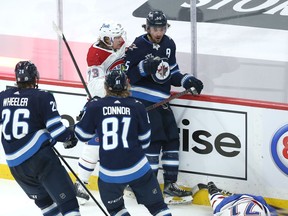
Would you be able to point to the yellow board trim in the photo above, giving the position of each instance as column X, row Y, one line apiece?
column 5, row 172
column 200, row 198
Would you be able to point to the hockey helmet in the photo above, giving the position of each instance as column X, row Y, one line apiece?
column 116, row 79
column 156, row 18
column 110, row 30
column 26, row 71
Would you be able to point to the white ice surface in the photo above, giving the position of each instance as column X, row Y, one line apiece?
column 14, row 202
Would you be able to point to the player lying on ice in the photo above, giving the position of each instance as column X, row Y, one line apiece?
column 238, row 204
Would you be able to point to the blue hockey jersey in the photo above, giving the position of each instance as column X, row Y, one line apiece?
column 124, row 131
column 29, row 118
column 145, row 87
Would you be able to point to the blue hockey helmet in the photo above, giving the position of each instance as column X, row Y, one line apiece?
column 26, row 71
column 156, row 18
column 116, row 79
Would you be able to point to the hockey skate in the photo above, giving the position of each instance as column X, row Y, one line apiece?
column 128, row 192
column 81, row 193
column 174, row 195
column 212, row 189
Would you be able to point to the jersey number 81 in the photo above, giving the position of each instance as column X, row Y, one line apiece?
column 111, row 131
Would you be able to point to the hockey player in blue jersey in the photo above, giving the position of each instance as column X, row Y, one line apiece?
column 238, row 204
column 124, row 131
column 31, row 125
column 152, row 69
column 103, row 55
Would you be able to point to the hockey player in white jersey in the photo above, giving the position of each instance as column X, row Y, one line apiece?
column 105, row 54
column 238, row 204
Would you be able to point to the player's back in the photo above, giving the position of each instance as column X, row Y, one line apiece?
column 119, row 125
column 124, row 130
column 23, row 116
column 243, row 204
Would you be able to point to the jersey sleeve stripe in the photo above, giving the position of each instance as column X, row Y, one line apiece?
column 55, row 133
column 81, row 135
column 53, row 121
column 145, row 136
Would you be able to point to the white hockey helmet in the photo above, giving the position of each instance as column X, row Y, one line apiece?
column 110, row 30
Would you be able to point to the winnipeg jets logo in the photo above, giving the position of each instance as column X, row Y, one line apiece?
column 162, row 70
column 156, row 46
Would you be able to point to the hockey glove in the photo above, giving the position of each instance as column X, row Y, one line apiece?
column 189, row 81
column 149, row 66
column 70, row 143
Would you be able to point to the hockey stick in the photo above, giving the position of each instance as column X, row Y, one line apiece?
column 191, row 90
column 60, row 34
column 78, row 179
column 153, row 106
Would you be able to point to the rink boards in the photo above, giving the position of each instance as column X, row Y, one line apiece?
column 241, row 45
column 241, row 52
column 241, row 145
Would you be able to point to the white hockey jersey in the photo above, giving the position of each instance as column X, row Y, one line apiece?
column 240, row 205
column 99, row 61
